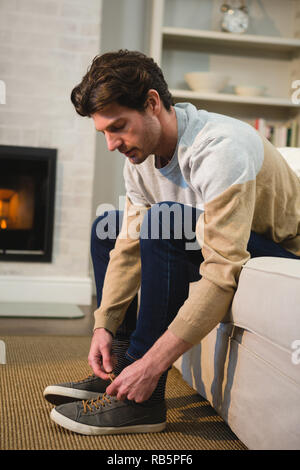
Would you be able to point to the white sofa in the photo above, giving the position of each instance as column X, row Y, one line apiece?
column 248, row 367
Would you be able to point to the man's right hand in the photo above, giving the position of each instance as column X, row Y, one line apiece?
column 100, row 358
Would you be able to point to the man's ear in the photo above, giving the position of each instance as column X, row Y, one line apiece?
column 153, row 101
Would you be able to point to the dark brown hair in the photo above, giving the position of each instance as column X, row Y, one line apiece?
column 124, row 77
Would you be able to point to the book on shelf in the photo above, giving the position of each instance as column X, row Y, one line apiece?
column 280, row 135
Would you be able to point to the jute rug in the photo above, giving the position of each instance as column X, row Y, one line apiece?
column 33, row 362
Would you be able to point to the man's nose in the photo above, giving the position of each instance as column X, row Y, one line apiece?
column 113, row 142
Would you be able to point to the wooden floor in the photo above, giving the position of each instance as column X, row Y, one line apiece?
column 51, row 326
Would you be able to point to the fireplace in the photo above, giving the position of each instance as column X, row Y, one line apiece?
column 27, row 193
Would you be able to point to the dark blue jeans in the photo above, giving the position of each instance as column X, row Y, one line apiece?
column 167, row 269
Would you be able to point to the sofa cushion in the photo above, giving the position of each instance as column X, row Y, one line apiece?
column 267, row 301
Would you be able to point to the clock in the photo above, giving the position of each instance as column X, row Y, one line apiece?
column 235, row 19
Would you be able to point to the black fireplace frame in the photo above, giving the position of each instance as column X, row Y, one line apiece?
column 49, row 156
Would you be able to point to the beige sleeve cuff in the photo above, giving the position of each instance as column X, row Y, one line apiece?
column 104, row 321
column 206, row 305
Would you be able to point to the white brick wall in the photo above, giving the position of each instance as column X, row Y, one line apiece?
column 45, row 48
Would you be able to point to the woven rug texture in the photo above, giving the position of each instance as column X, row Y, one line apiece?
column 33, row 362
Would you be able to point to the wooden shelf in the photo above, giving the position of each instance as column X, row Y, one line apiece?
column 287, row 46
column 231, row 98
column 272, row 61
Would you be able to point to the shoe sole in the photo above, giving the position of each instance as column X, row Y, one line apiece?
column 79, row 428
column 61, row 395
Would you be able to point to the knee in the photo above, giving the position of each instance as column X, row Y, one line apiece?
column 148, row 223
column 159, row 220
column 106, row 226
column 94, row 228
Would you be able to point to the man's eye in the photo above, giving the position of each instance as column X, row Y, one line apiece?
column 117, row 127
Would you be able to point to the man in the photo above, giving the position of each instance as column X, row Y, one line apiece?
column 211, row 171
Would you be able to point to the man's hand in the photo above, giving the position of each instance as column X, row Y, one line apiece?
column 136, row 382
column 100, row 358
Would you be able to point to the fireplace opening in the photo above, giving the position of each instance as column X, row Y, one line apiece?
column 27, row 193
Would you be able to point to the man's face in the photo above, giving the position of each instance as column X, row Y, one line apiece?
column 135, row 134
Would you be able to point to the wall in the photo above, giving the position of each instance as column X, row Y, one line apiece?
column 125, row 25
column 45, row 48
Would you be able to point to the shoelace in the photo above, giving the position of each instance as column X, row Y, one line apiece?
column 91, row 376
column 100, row 400
column 86, row 378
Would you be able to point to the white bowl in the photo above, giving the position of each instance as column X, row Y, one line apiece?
column 209, row 82
column 248, row 90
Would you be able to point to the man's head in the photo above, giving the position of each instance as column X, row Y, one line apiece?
column 124, row 77
column 126, row 95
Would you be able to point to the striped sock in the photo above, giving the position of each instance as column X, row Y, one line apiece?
column 123, row 360
column 159, row 393
column 119, row 348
